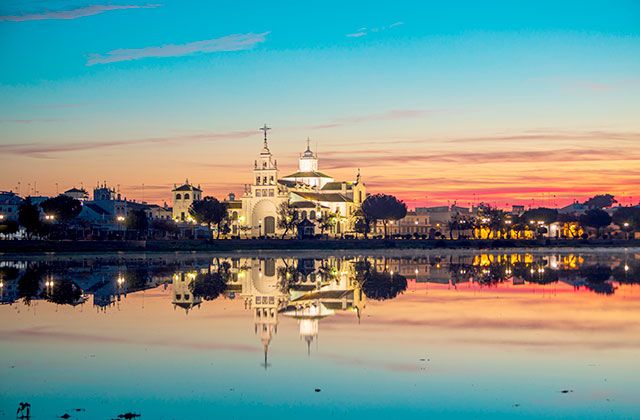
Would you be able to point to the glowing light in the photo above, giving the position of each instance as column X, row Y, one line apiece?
column 626, row 267
column 120, row 218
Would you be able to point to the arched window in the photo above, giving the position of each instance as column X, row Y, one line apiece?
column 264, row 180
column 304, row 214
column 271, row 180
column 257, row 180
column 234, row 215
column 186, row 196
column 178, row 197
column 312, row 215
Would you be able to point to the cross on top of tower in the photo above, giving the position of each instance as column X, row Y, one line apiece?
column 264, row 129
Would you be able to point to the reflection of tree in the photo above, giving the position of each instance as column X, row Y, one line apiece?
column 210, row 285
column 65, row 292
column 597, row 277
column 381, row 285
column 29, row 283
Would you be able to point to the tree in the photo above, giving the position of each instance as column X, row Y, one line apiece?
column 596, row 219
column 164, row 228
column 138, row 222
column 628, row 218
column 210, row 211
column 29, row 218
column 383, row 207
column 601, row 201
column 62, row 207
column 9, row 227
column 287, row 217
column 327, row 221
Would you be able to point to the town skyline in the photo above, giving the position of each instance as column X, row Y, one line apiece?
column 434, row 103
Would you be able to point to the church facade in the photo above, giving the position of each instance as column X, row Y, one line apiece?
column 312, row 193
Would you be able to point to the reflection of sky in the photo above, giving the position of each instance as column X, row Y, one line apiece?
column 485, row 350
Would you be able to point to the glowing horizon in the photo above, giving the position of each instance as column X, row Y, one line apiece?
column 534, row 105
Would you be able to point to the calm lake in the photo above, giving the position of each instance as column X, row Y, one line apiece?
column 451, row 334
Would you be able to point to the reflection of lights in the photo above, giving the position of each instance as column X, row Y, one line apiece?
column 626, row 224
column 626, row 267
column 120, row 280
column 120, row 218
column 417, row 271
column 540, row 270
column 392, row 272
column 507, row 271
column 1, row 285
column 554, row 264
column 1, row 216
column 49, row 217
column 533, row 271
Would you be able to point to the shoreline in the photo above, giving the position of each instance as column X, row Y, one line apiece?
column 294, row 245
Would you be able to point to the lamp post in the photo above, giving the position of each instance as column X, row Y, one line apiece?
column 626, row 229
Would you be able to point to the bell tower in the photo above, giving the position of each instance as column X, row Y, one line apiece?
column 265, row 171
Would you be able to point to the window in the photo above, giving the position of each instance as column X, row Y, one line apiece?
column 186, row 196
column 258, row 193
column 234, row 215
column 258, row 299
column 178, row 297
column 271, row 180
column 312, row 215
column 257, row 180
column 178, row 197
column 270, row 193
column 304, row 214
column 264, row 180
column 186, row 297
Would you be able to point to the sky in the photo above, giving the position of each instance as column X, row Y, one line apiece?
column 531, row 102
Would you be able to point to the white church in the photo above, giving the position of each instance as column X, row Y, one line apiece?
column 313, row 193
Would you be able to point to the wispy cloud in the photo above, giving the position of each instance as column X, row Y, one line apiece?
column 235, row 42
column 72, row 13
column 365, row 31
column 394, row 114
column 44, row 151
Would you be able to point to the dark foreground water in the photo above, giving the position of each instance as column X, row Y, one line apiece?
column 415, row 335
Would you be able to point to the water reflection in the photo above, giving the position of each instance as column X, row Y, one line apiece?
column 305, row 289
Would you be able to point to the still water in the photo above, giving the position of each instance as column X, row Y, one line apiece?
column 536, row 334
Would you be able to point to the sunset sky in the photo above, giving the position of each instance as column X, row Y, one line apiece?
column 531, row 102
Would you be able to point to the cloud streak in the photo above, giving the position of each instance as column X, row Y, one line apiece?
column 394, row 114
column 235, row 42
column 366, row 31
column 79, row 12
column 44, row 151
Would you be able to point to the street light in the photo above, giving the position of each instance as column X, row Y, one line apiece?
column 120, row 218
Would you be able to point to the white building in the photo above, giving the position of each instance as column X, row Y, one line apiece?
column 312, row 192
column 183, row 197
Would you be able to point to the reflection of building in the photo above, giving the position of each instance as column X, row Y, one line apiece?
column 182, row 295
column 261, row 294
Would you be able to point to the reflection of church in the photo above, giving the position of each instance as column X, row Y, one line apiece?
column 317, row 294
column 313, row 193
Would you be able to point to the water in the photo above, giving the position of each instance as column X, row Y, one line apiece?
column 422, row 334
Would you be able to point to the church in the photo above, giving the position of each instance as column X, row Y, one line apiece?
column 313, row 193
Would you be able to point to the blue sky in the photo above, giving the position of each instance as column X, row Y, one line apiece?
column 101, row 81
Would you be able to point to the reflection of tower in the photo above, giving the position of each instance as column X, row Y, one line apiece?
column 263, row 297
column 182, row 295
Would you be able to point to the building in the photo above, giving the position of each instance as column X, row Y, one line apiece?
column 77, row 193
column 9, row 205
column 312, row 193
column 183, row 197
